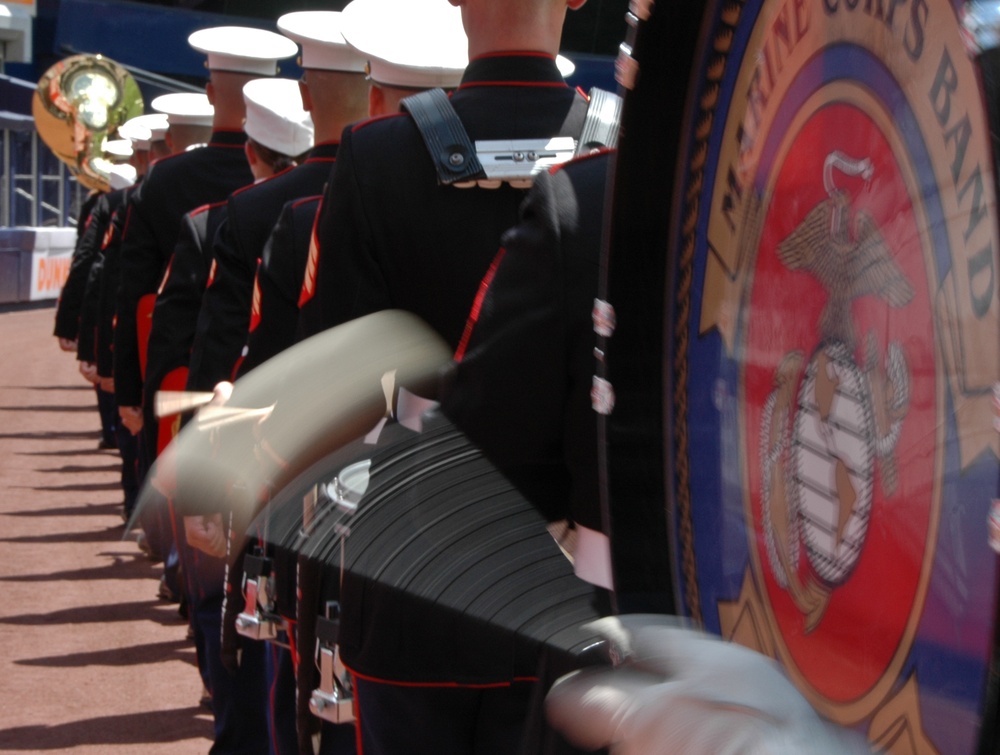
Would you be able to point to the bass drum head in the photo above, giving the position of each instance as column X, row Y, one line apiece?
column 826, row 240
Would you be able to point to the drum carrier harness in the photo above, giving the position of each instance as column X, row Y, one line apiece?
column 488, row 164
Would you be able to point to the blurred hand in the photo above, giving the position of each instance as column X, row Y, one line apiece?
column 131, row 418
column 107, row 384
column 89, row 372
column 681, row 690
column 67, row 345
column 206, row 533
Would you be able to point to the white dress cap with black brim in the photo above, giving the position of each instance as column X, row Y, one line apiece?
column 275, row 116
column 409, row 43
column 143, row 130
column 324, row 48
column 118, row 148
column 121, row 176
column 185, row 108
column 242, row 49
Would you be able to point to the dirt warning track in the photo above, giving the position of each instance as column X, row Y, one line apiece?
column 91, row 661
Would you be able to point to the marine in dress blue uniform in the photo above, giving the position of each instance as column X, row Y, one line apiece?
column 174, row 186
column 278, row 132
column 332, row 91
column 390, row 237
column 278, row 286
column 147, row 133
column 180, row 183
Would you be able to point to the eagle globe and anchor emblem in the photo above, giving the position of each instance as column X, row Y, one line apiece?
column 829, row 423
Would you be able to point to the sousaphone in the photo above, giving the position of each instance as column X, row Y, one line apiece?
column 80, row 101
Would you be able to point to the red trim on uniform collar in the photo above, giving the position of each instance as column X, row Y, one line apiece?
column 550, row 84
column 374, row 119
column 514, row 54
column 513, row 68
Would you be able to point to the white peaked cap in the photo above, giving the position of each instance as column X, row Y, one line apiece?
column 409, row 43
column 323, row 44
column 143, row 130
column 121, row 176
column 275, row 117
column 242, row 49
column 185, row 108
column 118, row 147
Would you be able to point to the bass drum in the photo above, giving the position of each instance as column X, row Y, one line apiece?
column 811, row 192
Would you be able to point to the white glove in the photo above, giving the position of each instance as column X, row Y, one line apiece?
column 682, row 691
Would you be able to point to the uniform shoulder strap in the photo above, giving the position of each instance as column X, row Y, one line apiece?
column 602, row 122
column 455, row 157
column 444, row 135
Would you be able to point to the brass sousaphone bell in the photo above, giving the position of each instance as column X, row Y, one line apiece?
column 79, row 102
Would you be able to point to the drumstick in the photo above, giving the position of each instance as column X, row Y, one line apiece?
column 179, row 402
column 218, row 416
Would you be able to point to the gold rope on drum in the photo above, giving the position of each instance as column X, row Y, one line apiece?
column 79, row 103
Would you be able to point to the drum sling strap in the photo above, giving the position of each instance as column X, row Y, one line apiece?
column 458, row 161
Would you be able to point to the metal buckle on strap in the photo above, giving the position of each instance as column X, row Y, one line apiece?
column 518, row 161
column 333, row 700
column 258, row 620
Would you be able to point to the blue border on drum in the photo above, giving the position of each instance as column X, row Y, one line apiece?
column 952, row 679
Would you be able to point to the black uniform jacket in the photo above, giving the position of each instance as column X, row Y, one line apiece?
column 173, row 186
column 94, row 238
column 88, row 245
column 224, row 320
column 391, row 237
column 179, row 299
column 521, row 386
column 110, row 280
column 275, row 315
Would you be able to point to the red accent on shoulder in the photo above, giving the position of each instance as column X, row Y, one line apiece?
column 374, row 118
column 205, row 207
column 253, row 184
column 166, row 275
column 312, row 264
column 255, row 302
column 109, row 234
column 596, row 153
column 477, row 305
column 515, row 54
column 303, row 200
column 143, row 324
